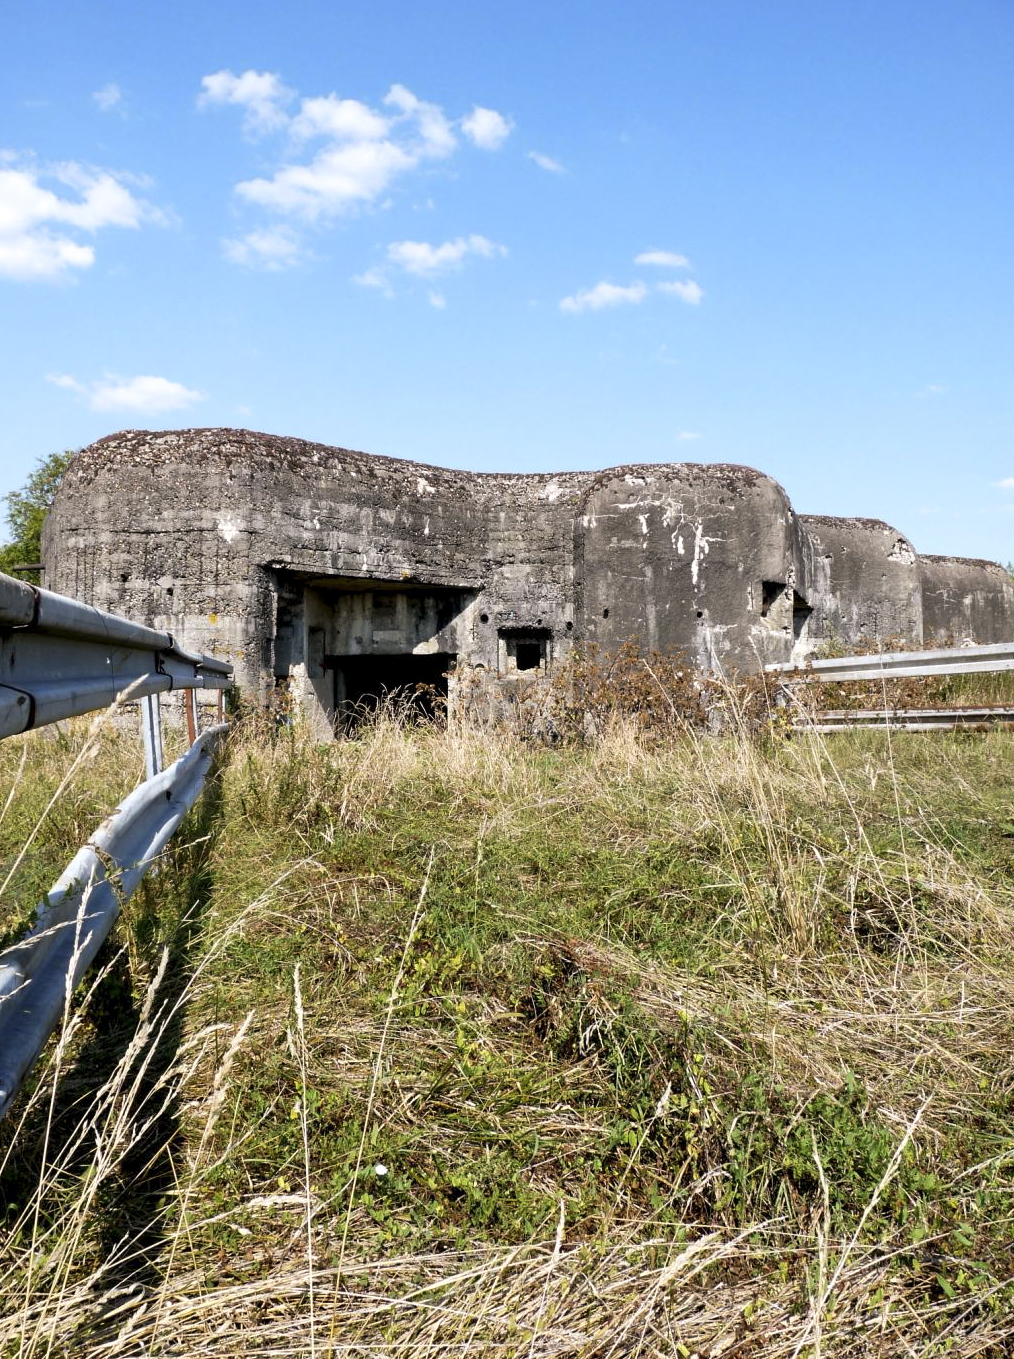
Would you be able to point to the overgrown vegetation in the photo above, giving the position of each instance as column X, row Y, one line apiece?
column 444, row 1041
column 663, row 695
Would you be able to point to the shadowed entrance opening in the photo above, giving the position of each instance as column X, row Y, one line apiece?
column 363, row 683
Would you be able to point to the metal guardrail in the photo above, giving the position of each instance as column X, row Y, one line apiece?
column 38, row 975
column 910, row 719
column 58, row 659
column 965, row 660
column 895, row 665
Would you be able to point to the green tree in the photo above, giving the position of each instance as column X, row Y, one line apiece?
column 26, row 510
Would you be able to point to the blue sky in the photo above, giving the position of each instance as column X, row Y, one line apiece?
column 526, row 237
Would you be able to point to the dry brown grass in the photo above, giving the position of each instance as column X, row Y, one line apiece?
column 841, row 926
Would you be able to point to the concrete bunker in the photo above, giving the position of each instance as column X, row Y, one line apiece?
column 703, row 558
column 337, row 577
column 965, row 599
column 864, row 580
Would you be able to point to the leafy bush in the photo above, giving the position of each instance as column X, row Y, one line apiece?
column 26, row 512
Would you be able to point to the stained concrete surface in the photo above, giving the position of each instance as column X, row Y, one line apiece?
column 320, row 569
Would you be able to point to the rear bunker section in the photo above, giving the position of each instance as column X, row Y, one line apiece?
column 965, row 600
column 344, row 646
column 703, row 559
column 864, row 582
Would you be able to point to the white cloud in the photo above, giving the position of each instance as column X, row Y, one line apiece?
column 689, row 292
column 1007, row 484
column 35, row 220
column 419, row 257
column 260, row 94
column 933, row 389
column 40, row 255
column 360, row 153
column 435, row 132
column 424, row 260
column 437, row 300
column 340, row 119
column 273, row 248
column 65, row 380
column 604, row 295
column 374, row 278
column 108, row 97
column 662, row 259
column 546, row 162
column 686, row 435
column 485, row 128
column 338, row 178
column 143, row 394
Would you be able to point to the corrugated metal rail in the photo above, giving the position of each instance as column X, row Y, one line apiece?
column 38, row 975
column 963, row 660
column 910, row 719
column 60, row 658
column 895, row 665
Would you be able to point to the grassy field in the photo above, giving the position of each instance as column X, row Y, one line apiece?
column 436, row 1042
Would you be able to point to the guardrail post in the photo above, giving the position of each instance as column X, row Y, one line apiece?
column 151, row 733
column 193, row 716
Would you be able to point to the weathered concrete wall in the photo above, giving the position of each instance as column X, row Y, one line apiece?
column 197, row 528
column 864, row 578
column 314, row 568
column 966, row 600
column 706, row 559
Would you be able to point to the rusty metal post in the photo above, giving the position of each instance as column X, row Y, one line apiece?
column 193, row 718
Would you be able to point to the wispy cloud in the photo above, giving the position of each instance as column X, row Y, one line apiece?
column 545, row 162
column 272, row 248
column 144, row 394
column 689, row 292
column 1006, row 484
column 425, row 260
column 437, row 300
column 40, row 228
column 486, row 128
column 109, row 97
column 426, row 122
column 604, row 295
column 607, row 294
column 260, row 94
column 374, row 278
column 686, row 435
column 662, row 259
column 419, row 257
column 933, row 389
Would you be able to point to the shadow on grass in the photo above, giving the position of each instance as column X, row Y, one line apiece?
column 125, row 1225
